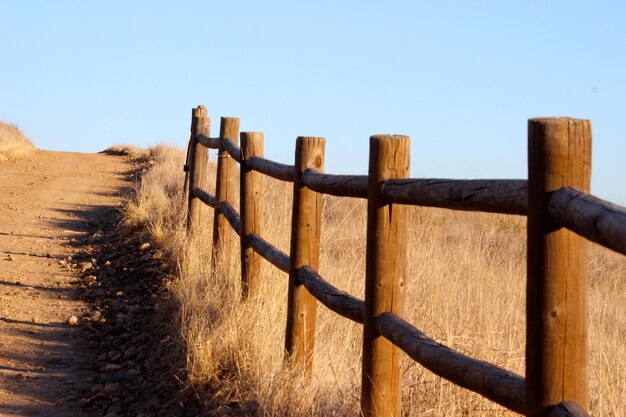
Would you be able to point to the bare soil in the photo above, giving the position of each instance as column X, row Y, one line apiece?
column 49, row 203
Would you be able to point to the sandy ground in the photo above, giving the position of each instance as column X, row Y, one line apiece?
column 49, row 202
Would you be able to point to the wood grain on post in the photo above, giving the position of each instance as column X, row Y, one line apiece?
column 198, row 160
column 225, row 188
column 385, row 277
column 251, row 209
column 305, row 250
column 559, row 155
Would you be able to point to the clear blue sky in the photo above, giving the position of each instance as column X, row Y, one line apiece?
column 460, row 77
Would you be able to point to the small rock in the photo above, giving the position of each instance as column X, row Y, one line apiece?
column 96, row 388
column 131, row 353
column 144, row 246
column 72, row 321
column 85, row 266
column 133, row 373
column 112, row 367
column 111, row 388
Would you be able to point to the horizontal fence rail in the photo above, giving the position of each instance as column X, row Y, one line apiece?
column 546, row 200
column 223, row 207
column 270, row 168
column 595, row 219
column 232, row 149
column 337, row 185
column 493, row 196
column 499, row 385
column 268, row 251
column 336, row 300
column 207, row 142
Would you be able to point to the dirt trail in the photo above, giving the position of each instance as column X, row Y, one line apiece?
column 49, row 202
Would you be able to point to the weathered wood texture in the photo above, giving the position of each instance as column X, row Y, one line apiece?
column 269, row 252
column 232, row 149
column 384, row 277
column 559, row 155
column 338, row 185
column 494, row 196
column 270, row 168
column 566, row 409
column 250, row 193
column 490, row 381
column 224, row 207
column 595, row 219
column 305, row 250
column 205, row 197
column 336, row 300
column 198, row 161
column 230, row 214
column 225, row 190
column 207, row 142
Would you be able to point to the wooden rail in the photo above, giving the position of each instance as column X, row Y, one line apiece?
column 492, row 196
column 270, row 168
column 559, row 159
column 595, row 219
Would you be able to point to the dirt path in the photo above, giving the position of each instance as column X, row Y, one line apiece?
column 49, row 202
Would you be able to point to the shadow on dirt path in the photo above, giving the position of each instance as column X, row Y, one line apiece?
column 50, row 204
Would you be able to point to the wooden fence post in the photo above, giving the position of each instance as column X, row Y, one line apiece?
column 305, row 250
column 385, row 277
column 224, row 191
column 559, row 154
column 251, row 209
column 197, row 166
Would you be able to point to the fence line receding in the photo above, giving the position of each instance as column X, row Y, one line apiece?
column 561, row 213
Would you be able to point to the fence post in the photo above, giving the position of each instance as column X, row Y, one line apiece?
column 224, row 191
column 384, row 277
column 197, row 167
column 559, row 154
column 305, row 250
column 250, row 189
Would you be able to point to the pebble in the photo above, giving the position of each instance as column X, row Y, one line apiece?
column 112, row 367
column 72, row 321
column 111, row 388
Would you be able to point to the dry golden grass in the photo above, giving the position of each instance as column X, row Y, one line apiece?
column 466, row 289
column 13, row 143
column 131, row 151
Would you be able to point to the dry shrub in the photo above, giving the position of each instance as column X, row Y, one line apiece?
column 466, row 289
column 132, row 151
column 13, row 143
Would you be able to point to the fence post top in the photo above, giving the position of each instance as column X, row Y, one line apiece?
column 199, row 111
column 311, row 139
column 556, row 120
column 387, row 137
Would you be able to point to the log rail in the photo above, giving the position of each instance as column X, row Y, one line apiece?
column 555, row 198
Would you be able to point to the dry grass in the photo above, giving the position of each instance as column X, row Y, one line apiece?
column 131, row 151
column 466, row 289
column 13, row 143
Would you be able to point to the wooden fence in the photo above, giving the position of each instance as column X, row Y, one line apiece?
column 560, row 212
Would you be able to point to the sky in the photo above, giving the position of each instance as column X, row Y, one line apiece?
column 461, row 78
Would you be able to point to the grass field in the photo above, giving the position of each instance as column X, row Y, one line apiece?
column 466, row 289
column 13, row 143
